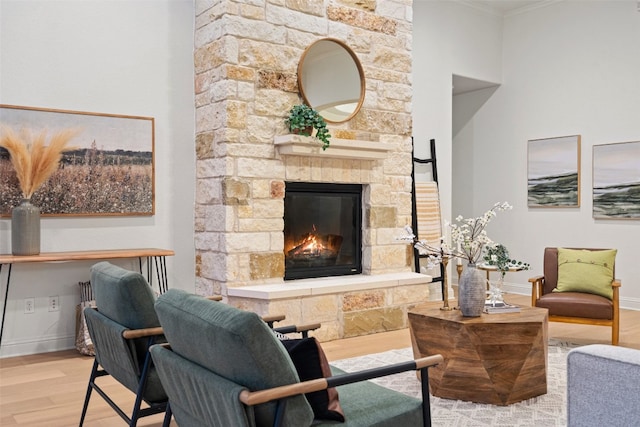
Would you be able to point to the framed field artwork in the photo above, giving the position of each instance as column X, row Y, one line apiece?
column 553, row 172
column 110, row 170
column 616, row 181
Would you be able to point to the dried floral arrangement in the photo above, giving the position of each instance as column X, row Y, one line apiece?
column 33, row 161
column 469, row 235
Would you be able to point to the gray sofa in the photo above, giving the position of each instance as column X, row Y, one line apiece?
column 603, row 386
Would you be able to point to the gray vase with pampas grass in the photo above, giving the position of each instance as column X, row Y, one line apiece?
column 34, row 162
column 25, row 229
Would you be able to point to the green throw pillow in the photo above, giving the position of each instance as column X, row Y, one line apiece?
column 581, row 270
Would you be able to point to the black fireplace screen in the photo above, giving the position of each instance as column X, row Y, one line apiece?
column 322, row 230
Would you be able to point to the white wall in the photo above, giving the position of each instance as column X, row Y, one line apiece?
column 132, row 58
column 568, row 68
column 448, row 38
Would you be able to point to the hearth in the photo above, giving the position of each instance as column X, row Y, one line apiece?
column 322, row 229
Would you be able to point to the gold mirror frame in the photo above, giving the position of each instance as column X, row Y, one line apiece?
column 327, row 74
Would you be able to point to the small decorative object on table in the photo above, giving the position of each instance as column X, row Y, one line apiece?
column 470, row 238
column 34, row 163
column 501, row 307
column 445, row 282
column 303, row 120
column 496, row 257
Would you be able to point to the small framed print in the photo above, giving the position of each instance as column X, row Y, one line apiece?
column 553, row 172
column 616, row 181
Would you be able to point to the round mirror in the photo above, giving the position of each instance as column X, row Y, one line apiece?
column 331, row 80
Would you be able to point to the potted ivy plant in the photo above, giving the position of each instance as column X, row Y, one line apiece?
column 303, row 119
column 497, row 255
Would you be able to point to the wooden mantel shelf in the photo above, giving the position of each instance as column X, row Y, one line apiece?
column 297, row 145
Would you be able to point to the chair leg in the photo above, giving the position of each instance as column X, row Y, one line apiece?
column 137, row 411
column 141, row 385
column 135, row 415
column 426, row 403
column 279, row 415
column 92, row 378
column 167, row 416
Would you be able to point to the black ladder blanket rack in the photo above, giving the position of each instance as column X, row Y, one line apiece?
column 414, row 217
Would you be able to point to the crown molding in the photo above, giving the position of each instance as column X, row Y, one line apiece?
column 502, row 12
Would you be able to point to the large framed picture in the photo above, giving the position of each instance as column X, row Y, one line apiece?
column 553, row 172
column 110, row 170
column 616, row 180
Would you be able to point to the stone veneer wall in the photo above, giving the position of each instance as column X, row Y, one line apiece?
column 246, row 55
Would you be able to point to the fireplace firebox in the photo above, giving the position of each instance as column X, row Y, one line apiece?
column 322, row 230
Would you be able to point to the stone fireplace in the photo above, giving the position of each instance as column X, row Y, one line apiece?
column 245, row 60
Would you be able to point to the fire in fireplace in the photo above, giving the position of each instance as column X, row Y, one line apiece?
column 314, row 249
column 322, row 229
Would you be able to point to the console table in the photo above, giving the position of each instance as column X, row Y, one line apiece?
column 158, row 255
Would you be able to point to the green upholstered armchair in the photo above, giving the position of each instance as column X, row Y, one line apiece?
column 579, row 287
column 122, row 329
column 224, row 367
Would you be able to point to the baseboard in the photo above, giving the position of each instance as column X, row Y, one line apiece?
column 13, row 348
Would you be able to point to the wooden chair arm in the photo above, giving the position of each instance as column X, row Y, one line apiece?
column 214, row 297
column 251, row 398
column 303, row 329
column 616, row 283
column 429, row 361
column 271, row 319
column 537, row 282
column 130, row 334
column 536, row 279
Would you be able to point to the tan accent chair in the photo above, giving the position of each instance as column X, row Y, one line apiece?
column 574, row 307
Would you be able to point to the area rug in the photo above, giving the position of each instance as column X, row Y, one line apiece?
column 541, row 411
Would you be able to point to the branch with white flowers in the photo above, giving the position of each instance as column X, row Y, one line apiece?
column 468, row 236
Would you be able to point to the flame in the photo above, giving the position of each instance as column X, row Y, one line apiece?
column 310, row 244
column 314, row 247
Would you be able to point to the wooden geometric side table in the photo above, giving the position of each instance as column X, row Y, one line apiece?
column 495, row 358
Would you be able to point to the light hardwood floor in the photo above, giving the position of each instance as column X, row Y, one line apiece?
column 48, row 389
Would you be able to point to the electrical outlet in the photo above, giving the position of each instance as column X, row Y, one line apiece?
column 54, row 303
column 29, row 305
